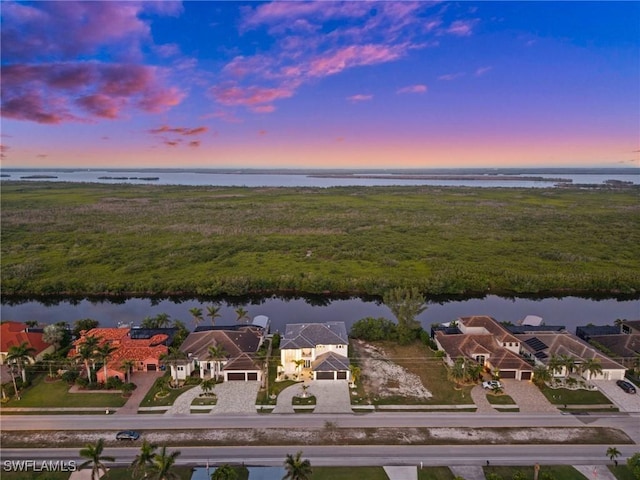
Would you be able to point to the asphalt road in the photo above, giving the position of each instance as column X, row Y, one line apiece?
column 464, row 455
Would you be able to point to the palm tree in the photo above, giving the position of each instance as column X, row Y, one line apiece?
column 555, row 364
column 145, row 458
column 224, row 472
column 207, row 386
column 20, row 355
column 569, row 363
column 162, row 465
column 296, row 468
column 299, row 364
column 541, row 375
column 127, row 366
column 173, row 358
column 613, row 453
column 355, row 372
column 162, row 320
column 196, row 313
column 217, row 354
column 456, row 372
column 242, row 315
column 592, row 366
column 213, row 312
column 473, row 370
column 103, row 353
column 149, row 322
column 86, row 352
column 12, row 371
column 95, row 459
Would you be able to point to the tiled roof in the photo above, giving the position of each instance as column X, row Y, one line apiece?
column 135, row 349
column 622, row 344
column 469, row 345
column 567, row 344
column 330, row 362
column 491, row 325
column 13, row 334
column 242, row 362
column 234, row 342
column 309, row 335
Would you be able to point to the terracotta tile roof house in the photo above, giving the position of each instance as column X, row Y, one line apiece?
column 13, row 334
column 144, row 350
column 316, row 349
column 239, row 345
column 485, row 341
column 542, row 346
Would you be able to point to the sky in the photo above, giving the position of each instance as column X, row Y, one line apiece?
column 290, row 84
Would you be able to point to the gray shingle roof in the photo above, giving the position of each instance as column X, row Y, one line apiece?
column 330, row 362
column 308, row 335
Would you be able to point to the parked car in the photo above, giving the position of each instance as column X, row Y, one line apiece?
column 491, row 384
column 127, row 435
column 626, row 386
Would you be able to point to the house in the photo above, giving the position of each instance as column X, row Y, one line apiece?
column 619, row 342
column 142, row 346
column 319, row 350
column 484, row 340
column 540, row 347
column 13, row 334
column 238, row 345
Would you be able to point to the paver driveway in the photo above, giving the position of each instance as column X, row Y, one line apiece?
column 236, row 397
column 332, row 396
column 528, row 397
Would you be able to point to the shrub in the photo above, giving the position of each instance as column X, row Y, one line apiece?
column 373, row 329
column 275, row 341
column 82, row 382
column 69, row 376
column 114, row 383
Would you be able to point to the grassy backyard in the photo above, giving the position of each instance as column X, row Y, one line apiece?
column 142, row 239
column 43, row 394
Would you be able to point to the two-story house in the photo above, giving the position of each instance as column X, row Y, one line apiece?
column 316, row 350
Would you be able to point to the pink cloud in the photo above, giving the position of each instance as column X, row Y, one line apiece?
column 482, row 70
column 83, row 91
column 233, row 95
column 263, row 109
column 354, row 55
column 179, row 130
column 451, row 76
column 359, row 98
column 194, row 143
column 413, row 89
column 461, row 28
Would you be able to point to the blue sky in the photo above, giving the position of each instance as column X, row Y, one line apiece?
column 320, row 84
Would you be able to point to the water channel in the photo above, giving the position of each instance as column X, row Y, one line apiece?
column 568, row 311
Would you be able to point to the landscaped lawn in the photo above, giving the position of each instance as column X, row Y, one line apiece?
column 559, row 472
column 54, row 395
column 500, row 399
column 184, row 473
column 150, row 399
column 274, row 387
column 348, row 473
column 563, row 396
column 435, row 473
column 622, row 472
column 423, row 362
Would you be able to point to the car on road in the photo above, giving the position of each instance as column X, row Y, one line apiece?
column 491, row 384
column 626, row 386
column 127, row 435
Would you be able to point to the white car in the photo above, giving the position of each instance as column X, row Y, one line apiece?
column 492, row 384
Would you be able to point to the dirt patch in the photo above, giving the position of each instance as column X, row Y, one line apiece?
column 384, row 379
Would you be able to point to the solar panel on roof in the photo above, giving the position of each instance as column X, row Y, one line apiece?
column 536, row 344
column 541, row 355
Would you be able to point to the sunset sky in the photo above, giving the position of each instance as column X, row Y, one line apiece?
column 320, row 84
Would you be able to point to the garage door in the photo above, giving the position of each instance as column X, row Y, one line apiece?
column 151, row 367
column 342, row 375
column 235, row 376
column 252, row 376
column 507, row 373
column 525, row 376
column 324, row 376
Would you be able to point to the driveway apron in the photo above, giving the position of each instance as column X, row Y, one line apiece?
column 144, row 381
column 236, row 398
column 332, row 396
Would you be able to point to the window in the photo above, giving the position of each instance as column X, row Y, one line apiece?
column 180, row 369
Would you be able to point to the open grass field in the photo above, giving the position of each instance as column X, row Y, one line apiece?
column 141, row 240
column 558, row 472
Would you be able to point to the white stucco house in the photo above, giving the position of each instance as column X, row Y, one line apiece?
column 318, row 351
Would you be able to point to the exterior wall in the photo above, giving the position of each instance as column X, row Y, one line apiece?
column 287, row 357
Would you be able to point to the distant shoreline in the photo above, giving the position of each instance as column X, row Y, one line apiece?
column 446, row 177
